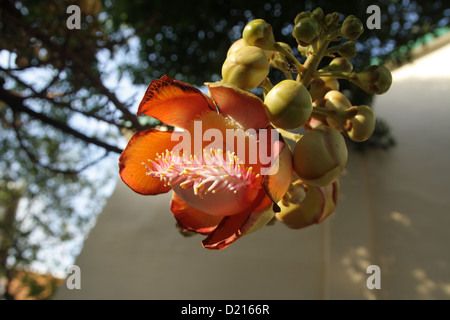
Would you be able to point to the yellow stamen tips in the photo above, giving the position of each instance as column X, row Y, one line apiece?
column 216, row 172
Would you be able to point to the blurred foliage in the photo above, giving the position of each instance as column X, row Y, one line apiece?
column 61, row 119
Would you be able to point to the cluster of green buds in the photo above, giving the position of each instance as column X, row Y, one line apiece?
column 309, row 99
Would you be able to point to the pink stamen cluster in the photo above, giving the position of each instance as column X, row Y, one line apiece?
column 221, row 172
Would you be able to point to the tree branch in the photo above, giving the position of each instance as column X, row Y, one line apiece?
column 43, row 94
column 35, row 160
column 80, row 65
column 16, row 104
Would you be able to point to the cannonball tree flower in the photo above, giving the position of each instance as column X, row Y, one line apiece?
column 221, row 188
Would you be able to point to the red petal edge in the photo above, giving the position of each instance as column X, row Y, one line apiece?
column 174, row 102
column 191, row 219
column 233, row 227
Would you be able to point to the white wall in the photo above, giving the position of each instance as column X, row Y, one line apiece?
column 394, row 212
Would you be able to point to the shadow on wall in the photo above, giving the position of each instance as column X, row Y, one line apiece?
column 409, row 209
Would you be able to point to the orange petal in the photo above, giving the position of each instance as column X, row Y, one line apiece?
column 142, row 146
column 279, row 174
column 233, row 227
column 174, row 102
column 244, row 107
column 192, row 219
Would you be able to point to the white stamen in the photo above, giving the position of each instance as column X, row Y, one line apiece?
column 223, row 172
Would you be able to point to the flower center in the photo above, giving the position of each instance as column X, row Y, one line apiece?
column 215, row 172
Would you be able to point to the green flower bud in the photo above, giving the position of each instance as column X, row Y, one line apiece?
column 236, row 45
column 318, row 14
column 301, row 15
column 348, row 49
column 259, row 33
column 242, row 43
column 246, row 68
column 306, row 31
column 361, row 126
column 352, row 28
column 319, row 87
column 339, row 64
column 336, row 100
column 288, row 104
column 320, row 156
column 332, row 19
column 318, row 204
column 373, row 80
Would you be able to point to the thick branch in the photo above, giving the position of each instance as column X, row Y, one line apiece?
column 16, row 104
column 35, row 160
column 44, row 95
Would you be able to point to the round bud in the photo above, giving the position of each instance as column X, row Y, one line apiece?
column 288, row 104
column 242, row 43
column 320, row 156
column 336, row 100
column 246, row 68
column 318, row 204
column 318, row 14
column 306, row 31
column 361, row 126
column 339, row 64
column 236, row 45
column 373, row 80
column 331, row 83
column 352, row 28
column 259, row 33
column 319, row 87
column 348, row 49
column 301, row 15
